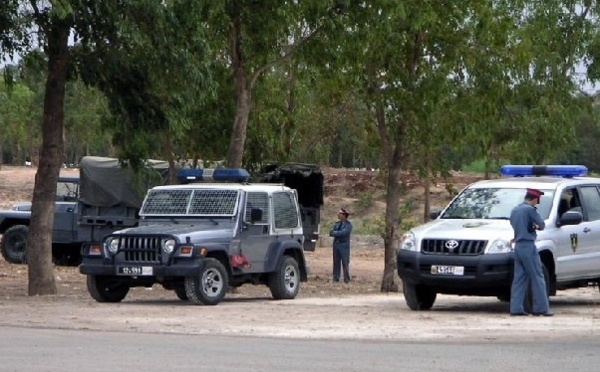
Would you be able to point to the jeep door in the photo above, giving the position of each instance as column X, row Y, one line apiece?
column 64, row 222
column 256, row 235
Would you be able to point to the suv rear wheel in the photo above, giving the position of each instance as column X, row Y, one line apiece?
column 418, row 297
column 14, row 244
column 284, row 282
column 210, row 287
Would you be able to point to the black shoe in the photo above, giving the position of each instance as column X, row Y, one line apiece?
column 520, row 314
column 547, row 313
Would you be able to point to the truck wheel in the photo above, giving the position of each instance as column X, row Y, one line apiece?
column 418, row 297
column 528, row 304
column 180, row 292
column 210, row 287
column 14, row 244
column 104, row 289
column 284, row 282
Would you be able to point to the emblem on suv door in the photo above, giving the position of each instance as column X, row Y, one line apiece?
column 451, row 245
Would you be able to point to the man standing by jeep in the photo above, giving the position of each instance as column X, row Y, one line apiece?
column 525, row 220
column 341, row 245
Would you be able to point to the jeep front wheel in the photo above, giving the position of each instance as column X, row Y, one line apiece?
column 14, row 244
column 105, row 289
column 418, row 297
column 210, row 287
column 284, row 282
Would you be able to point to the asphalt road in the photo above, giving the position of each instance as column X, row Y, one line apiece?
column 30, row 349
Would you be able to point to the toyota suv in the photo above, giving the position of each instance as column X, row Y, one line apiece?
column 467, row 248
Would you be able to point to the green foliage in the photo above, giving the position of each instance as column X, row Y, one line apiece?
column 365, row 200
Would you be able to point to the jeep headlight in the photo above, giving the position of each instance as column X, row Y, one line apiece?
column 112, row 244
column 409, row 242
column 500, row 246
column 168, row 245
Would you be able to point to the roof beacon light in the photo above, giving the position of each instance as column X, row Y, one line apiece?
column 213, row 175
column 544, row 170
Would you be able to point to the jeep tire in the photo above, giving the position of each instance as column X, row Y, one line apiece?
column 105, row 289
column 210, row 287
column 284, row 282
column 14, row 244
column 418, row 297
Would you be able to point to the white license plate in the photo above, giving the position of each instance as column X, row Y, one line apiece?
column 447, row 270
column 135, row 270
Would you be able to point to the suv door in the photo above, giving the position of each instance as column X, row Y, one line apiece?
column 590, row 199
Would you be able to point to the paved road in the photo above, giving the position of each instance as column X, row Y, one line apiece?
column 29, row 349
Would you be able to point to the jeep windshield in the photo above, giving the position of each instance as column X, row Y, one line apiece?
column 492, row 203
column 190, row 203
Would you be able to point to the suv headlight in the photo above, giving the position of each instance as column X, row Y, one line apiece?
column 409, row 242
column 500, row 246
column 168, row 245
column 112, row 245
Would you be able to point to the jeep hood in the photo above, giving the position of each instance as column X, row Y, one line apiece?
column 197, row 231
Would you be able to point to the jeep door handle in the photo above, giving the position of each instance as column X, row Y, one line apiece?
column 587, row 230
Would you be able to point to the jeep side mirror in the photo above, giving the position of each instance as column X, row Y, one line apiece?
column 255, row 215
column 571, row 218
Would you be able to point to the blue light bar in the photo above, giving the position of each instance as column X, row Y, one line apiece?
column 213, row 175
column 543, row 170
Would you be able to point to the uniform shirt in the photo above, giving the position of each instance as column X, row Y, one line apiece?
column 522, row 219
column 341, row 232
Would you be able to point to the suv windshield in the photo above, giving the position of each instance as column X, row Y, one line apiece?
column 492, row 203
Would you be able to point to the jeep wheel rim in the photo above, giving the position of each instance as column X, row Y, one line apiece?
column 212, row 283
column 291, row 278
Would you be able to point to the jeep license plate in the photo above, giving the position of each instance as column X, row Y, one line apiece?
column 134, row 270
column 447, row 270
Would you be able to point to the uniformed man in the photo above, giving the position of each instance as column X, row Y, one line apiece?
column 525, row 221
column 341, row 245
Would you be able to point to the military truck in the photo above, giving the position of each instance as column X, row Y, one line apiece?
column 104, row 198
column 199, row 239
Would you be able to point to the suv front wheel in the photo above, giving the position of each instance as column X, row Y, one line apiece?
column 418, row 297
column 210, row 287
column 284, row 282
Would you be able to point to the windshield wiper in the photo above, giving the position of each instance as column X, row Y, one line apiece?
column 454, row 218
column 498, row 218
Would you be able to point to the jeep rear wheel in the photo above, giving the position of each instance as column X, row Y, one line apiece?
column 180, row 292
column 210, row 287
column 14, row 244
column 105, row 289
column 418, row 297
column 284, row 282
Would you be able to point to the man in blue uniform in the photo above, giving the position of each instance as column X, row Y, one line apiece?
column 341, row 245
column 525, row 220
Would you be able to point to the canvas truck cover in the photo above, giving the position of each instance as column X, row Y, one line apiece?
column 105, row 183
column 307, row 179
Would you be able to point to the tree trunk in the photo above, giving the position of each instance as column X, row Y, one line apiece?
column 427, row 197
column 39, row 254
column 391, row 240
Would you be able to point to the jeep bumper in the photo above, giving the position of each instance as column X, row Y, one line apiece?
column 179, row 269
column 487, row 274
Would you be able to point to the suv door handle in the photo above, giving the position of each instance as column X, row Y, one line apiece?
column 587, row 230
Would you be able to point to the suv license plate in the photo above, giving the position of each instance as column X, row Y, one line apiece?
column 135, row 270
column 447, row 270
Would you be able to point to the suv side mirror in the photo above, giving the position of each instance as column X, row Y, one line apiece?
column 434, row 214
column 571, row 218
column 255, row 214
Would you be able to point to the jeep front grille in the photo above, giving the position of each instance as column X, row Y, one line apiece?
column 141, row 249
column 455, row 247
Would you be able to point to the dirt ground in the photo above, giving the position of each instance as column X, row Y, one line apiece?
column 322, row 309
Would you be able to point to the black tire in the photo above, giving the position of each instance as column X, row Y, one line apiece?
column 180, row 292
column 210, row 287
column 284, row 282
column 418, row 297
column 528, row 303
column 105, row 289
column 14, row 244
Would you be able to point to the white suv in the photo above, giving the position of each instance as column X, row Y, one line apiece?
column 467, row 249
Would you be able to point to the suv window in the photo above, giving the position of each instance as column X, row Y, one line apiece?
column 258, row 200
column 286, row 215
column 591, row 202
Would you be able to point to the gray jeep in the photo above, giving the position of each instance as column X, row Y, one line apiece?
column 200, row 239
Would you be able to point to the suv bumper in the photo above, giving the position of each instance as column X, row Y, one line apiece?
column 487, row 274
